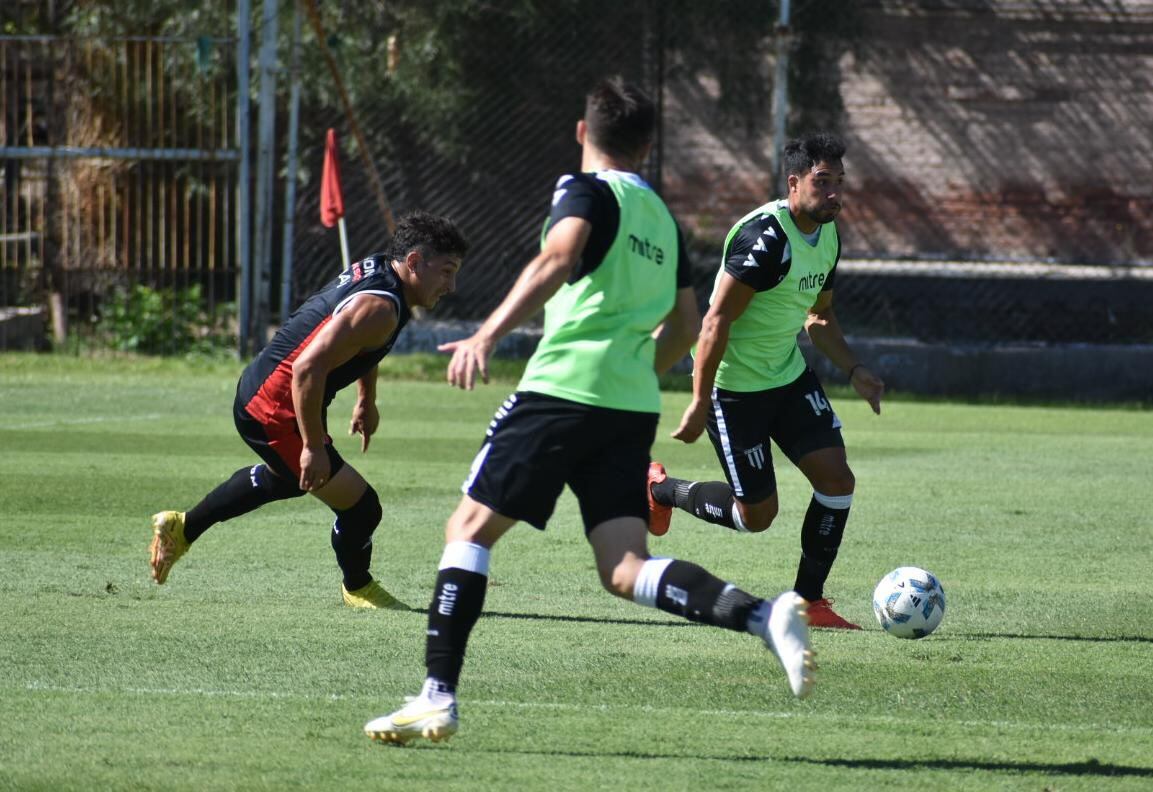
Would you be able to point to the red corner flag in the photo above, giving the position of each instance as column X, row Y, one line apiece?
column 331, row 199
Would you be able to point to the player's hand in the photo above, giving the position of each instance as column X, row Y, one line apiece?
column 692, row 422
column 314, row 469
column 365, row 420
column 869, row 386
column 469, row 357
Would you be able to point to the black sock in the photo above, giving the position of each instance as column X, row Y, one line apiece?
column 711, row 501
column 687, row 590
column 821, row 536
column 352, row 539
column 456, row 605
column 247, row 489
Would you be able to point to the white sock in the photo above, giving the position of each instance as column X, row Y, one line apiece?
column 738, row 523
column 648, row 581
column 434, row 692
column 758, row 623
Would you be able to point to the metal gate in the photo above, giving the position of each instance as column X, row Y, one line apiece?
column 120, row 164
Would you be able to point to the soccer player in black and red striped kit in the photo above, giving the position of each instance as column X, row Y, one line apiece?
column 336, row 338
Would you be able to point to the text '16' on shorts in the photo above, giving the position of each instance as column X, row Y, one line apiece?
column 743, row 425
column 537, row 444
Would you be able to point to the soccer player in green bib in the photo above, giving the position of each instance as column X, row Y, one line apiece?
column 619, row 308
column 751, row 385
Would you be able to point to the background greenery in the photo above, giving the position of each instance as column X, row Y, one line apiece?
column 245, row 672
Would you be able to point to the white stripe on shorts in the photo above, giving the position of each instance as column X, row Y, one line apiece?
column 477, row 464
column 723, row 431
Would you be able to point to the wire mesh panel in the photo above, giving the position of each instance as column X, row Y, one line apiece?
column 118, row 155
column 490, row 154
column 469, row 109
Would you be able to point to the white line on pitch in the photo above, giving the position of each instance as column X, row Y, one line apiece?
column 647, row 708
column 91, row 419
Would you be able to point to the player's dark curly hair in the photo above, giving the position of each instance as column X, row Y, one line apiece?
column 620, row 117
column 803, row 153
column 430, row 234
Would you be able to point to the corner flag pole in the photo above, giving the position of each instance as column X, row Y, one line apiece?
column 369, row 165
column 343, row 245
column 331, row 196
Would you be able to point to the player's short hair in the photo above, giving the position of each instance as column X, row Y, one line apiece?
column 620, row 118
column 430, row 234
column 802, row 153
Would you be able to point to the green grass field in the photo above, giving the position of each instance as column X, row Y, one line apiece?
column 245, row 672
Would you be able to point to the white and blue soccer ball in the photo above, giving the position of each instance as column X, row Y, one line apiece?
column 909, row 602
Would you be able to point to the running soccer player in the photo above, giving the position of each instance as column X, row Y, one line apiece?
column 337, row 337
column 750, row 382
column 611, row 271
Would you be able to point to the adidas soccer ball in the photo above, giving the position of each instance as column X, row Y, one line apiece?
column 909, row 602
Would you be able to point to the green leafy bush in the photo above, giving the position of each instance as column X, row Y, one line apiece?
column 162, row 322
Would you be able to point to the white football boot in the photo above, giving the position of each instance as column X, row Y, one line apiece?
column 418, row 718
column 787, row 636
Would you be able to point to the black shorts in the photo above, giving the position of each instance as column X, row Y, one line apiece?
column 536, row 444
column 797, row 417
column 278, row 443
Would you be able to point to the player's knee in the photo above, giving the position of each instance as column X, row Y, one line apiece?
column 848, row 482
column 755, row 519
column 474, row 523
column 278, row 486
column 361, row 519
column 760, row 523
column 620, row 578
column 842, row 482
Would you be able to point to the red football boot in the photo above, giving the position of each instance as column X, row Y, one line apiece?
column 821, row 614
column 659, row 514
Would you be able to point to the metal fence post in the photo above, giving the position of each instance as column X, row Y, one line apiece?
column 781, row 99
column 290, row 187
column 265, row 177
column 243, row 188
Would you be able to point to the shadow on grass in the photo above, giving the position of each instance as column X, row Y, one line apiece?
column 1090, row 767
column 587, row 619
column 1040, row 637
column 950, row 636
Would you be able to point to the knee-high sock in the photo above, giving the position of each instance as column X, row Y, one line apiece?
column 821, row 535
column 351, row 538
column 456, row 605
column 685, row 589
column 247, row 489
column 711, row 501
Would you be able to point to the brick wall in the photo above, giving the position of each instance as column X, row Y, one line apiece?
column 977, row 129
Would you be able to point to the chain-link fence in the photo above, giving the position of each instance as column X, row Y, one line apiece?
column 469, row 110
column 119, row 161
column 488, row 157
column 490, row 161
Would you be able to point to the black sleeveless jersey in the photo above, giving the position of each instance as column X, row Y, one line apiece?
column 265, row 387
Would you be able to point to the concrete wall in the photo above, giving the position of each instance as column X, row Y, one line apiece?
column 1101, row 373
column 1080, row 373
column 23, row 328
column 977, row 129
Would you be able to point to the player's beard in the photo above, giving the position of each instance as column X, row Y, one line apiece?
column 823, row 216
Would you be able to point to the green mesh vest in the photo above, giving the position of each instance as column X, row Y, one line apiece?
column 597, row 346
column 762, row 352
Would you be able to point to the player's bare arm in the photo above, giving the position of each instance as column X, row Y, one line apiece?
column 365, row 415
column 731, row 300
column 678, row 331
column 366, row 323
column 539, row 281
column 825, row 332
